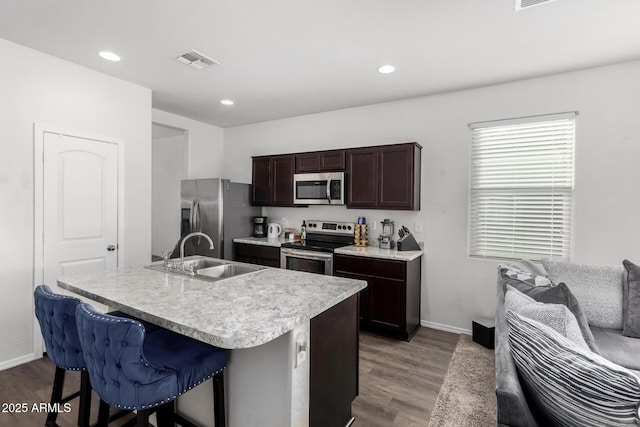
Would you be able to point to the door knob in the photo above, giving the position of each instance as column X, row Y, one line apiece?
column 111, row 248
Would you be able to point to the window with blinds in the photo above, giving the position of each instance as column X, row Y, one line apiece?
column 521, row 189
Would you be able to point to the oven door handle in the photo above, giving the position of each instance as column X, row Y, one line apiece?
column 306, row 254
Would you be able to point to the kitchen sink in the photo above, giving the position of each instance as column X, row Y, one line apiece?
column 204, row 268
column 227, row 270
column 198, row 263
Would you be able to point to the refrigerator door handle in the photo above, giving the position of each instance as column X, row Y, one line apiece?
column 196, row 219
column 191, row 219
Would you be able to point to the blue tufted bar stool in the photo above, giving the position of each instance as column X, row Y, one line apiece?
column 130, row 369
column 56, row 315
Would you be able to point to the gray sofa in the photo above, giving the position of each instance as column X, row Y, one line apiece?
column 513, row 407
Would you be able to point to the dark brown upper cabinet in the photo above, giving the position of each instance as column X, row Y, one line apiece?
column 399, row 176
column 319, row 161
column 362, row 179
column 384, row 177
column 378, row 177
column 272, row 179
column 262, row 181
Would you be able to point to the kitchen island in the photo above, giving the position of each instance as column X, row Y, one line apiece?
column 289, row 333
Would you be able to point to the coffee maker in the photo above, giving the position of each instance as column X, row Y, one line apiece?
column 259, row 226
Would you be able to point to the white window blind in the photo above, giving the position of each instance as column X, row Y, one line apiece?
column 521, row 190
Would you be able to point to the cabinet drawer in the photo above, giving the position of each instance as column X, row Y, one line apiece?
column 370, row 266
column 244, row 250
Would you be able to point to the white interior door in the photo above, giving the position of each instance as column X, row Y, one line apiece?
column 80, row 206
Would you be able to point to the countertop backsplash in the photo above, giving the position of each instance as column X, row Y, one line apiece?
column 293, row 217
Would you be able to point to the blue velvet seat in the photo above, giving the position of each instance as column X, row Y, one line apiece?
column 56, row 315
column 130, row 369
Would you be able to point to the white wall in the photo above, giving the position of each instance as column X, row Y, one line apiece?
column 169, row 166
column 206, row 147
column 456, row 288
column 38, row 88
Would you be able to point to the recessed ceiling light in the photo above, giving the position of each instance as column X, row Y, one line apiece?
column 386, row 69
column 226, row 102
column 109, row 56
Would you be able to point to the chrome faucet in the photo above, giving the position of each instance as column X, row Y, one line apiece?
column 188, row 236
column 166, row 255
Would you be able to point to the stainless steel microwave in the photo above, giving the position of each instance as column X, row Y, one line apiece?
column 326, row 188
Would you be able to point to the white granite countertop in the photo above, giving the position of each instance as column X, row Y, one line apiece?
column 376, row 252
column 261, row 241
column 239, row 312
column 366, row 251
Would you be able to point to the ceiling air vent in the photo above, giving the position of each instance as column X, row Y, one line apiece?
column 196, row 60
column 525, row 4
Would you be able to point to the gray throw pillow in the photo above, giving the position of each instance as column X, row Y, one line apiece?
column 556, row 316
column 631, row 300
column 570, row 386
column 554, row 294
column 598, row 288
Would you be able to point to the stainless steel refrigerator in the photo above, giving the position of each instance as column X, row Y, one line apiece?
column 219, row 208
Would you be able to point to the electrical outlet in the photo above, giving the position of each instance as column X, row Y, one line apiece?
column 300, row 358
column 417, row 226
column 374, row 225
column 302, row 344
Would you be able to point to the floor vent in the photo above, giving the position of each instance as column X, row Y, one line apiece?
column 196, row 60
column 525, row 4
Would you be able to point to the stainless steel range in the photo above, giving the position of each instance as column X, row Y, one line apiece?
column 315, row 254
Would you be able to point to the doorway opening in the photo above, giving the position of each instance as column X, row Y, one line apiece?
column 169, row 166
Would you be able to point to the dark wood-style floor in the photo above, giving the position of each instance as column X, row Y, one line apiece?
column 399, row 383
column 31, row 384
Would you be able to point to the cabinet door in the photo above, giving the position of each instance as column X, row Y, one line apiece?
column 396, row 172
column 364, row 294
column 282, row 187
column 261, row 181
column 320, row 161
column 332, row 160
column 362, row 181
column 307, row 162
column 386, row 303
column 257, row 254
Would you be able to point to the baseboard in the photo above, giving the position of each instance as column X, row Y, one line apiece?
column 18, row 361
column 446, row 328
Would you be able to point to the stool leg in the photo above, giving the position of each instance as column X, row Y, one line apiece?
column 218, row 400
column 103, row 414
column 56, row 395
column 142, row 418
column 165, row 414
column 85, row 400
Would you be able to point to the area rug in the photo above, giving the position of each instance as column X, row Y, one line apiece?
column 467, row 396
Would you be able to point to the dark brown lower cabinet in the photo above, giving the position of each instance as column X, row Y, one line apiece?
column 391, row 302
column 333, row 358
column 257, row 254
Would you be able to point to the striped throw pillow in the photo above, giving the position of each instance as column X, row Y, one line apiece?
column 574, row 387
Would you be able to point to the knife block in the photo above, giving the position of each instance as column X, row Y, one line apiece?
column 408, row 243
